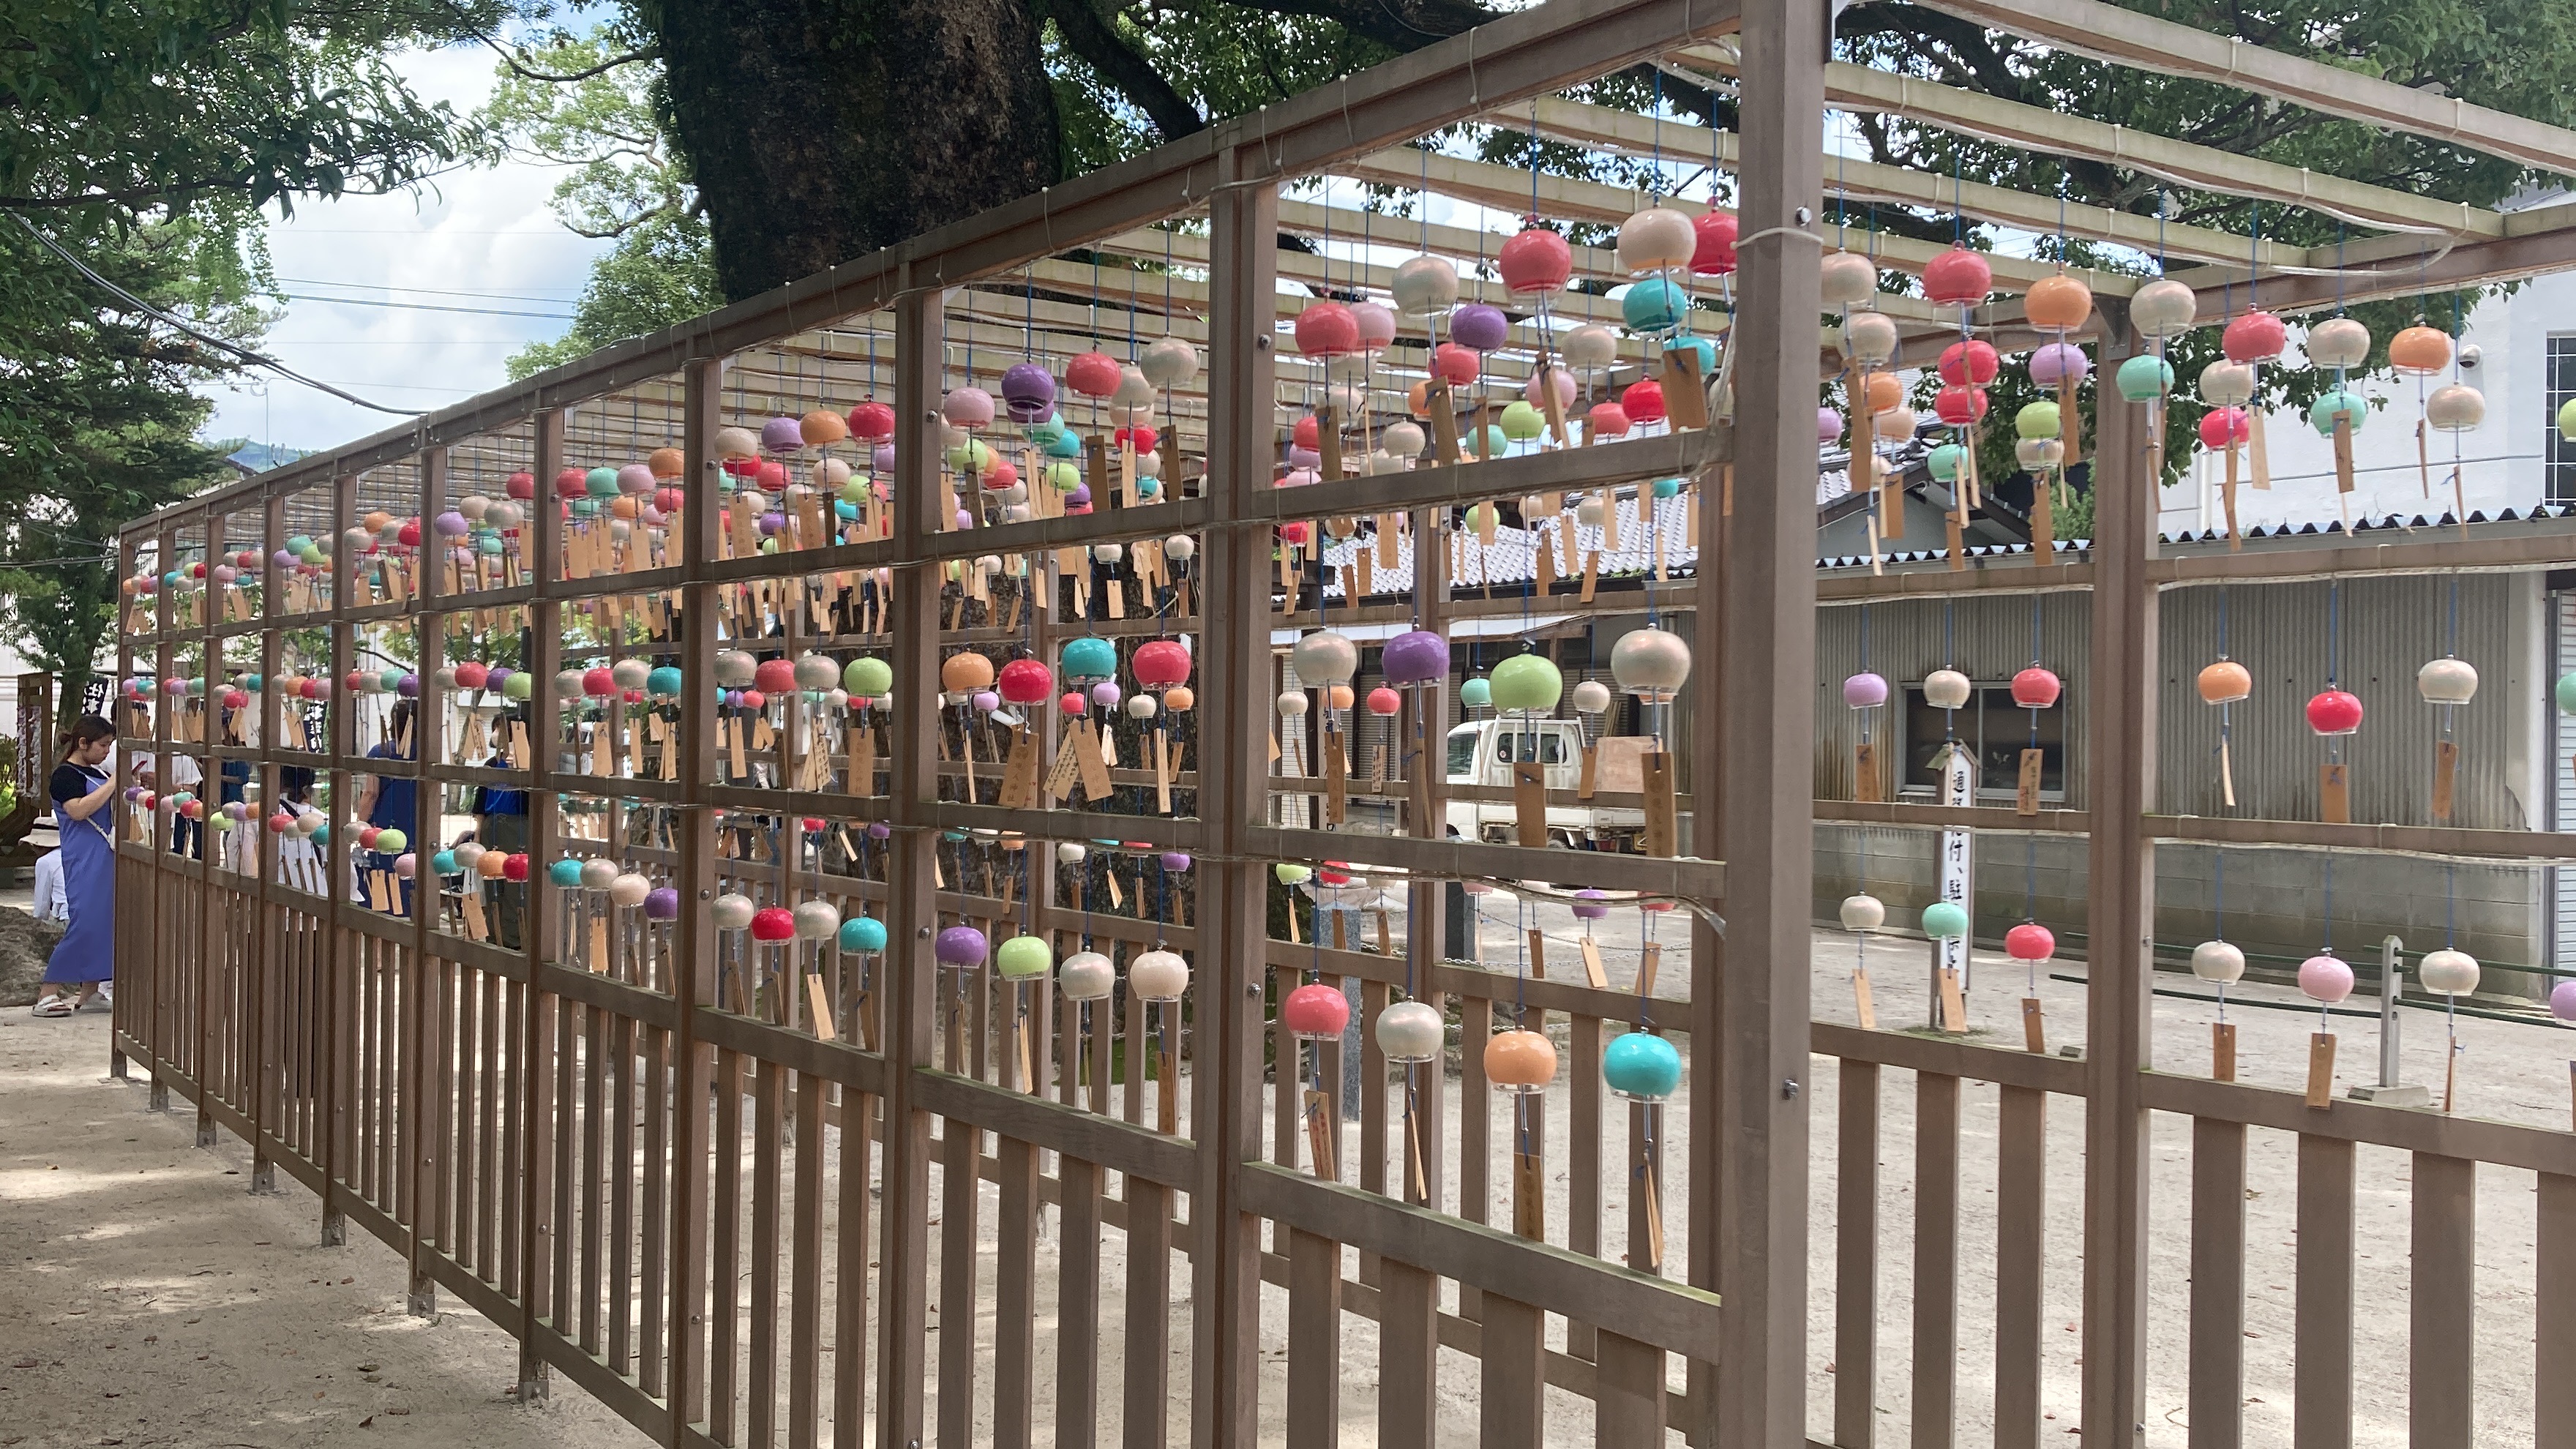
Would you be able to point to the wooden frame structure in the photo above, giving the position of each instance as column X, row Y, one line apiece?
column 477, row 1103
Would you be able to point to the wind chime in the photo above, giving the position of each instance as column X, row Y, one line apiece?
column 2454, row 973
column 2447, row 683
column 2222, row 964
column 2334, row 713
column 2325, row 980
column 2225, row 683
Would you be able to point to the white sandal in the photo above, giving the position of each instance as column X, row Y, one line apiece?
column 53, row 1006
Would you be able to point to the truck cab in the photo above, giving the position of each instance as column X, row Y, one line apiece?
column 1483, row 752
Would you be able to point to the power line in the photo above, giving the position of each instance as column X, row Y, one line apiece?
column 424, row 291
column 421, row 306
column 188, row 329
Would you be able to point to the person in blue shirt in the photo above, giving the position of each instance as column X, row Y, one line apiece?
column 391, row 803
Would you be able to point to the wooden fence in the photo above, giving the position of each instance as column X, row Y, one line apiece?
column 735, row 1188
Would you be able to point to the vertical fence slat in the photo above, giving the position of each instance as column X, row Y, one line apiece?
column 724, row 1314
column 1147, row 1345
column 1856, row 1257
column 1936, row 1259
column 1314, row 1341
column 1077, row 1304
column 2021, row 1215
column 654, row 1243
column 2441, row 1382
column 1015, row 1297
column 1514, row 1410
column 2321, row 1378
column 1583, row 1164
column 769, row 1107
column 621, row 1194
column 850, row 1308
column 960, row 1206
column 805, row 1281
column 2553, row 1418
column 2217, row 1370
column 1408, row 1357
column 1628, row 1396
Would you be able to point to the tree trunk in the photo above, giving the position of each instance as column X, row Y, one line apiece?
column 821, row 130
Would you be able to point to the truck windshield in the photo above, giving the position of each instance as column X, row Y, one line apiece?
column 1537, row 749
column 1462, row 751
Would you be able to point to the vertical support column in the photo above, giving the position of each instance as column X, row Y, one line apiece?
column 272, row 718
column 430, row 734
column 2120, row 777
column 695, row 942
column 210, row 941
column 912, row 913
column 1752, row 762
column 1233, row 925
column 538, row 1228
column 342, row 950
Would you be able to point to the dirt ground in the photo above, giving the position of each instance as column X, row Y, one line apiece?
column 146, row 1298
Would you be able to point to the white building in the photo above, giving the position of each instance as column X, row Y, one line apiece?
column 2524, row 361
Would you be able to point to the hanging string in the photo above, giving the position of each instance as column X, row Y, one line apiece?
column 2218, row 916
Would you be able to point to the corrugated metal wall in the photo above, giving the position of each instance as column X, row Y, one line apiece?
column 2276, row 900
column 1988, row 639
column 2389, row 627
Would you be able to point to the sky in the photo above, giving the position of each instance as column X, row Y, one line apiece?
column 477, row 242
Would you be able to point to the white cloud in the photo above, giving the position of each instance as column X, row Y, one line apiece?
column 479, row 231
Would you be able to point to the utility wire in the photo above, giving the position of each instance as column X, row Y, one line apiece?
column 245, row 354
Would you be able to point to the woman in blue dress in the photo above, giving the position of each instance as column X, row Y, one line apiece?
column 84, row 963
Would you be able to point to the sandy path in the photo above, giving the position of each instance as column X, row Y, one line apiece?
column 147, row 1299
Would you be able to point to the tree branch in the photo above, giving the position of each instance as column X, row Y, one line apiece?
column 1395, row 24
column 1096, row 38
column 511, row 59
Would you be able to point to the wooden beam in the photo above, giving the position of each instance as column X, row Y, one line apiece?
column 2143, row 42
column 1628, row 133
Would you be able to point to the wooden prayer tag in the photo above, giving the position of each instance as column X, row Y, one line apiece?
column 1591, row 575
column 1337, row 779
column 599, row 944
column 1529, row 802
column 2343, row 452
column 1529, row 1192
column 1162, row 773
column 1328, row 442
column 603, row 746
column 1444, row 420
column 1865, row 773
column 1649, row 957
column 1585, row 786
column 2222, row 1051
column 1685, row 394
column 1020, row 775
column 2026, row 787
column 1592, row 973
column 1319, row 1134
column 2321, row 1053
column 821, row 1003
column 475, row 927
column 1537, row 940
column 2446, row 769
column 1954, row 1003
column 1863, row 1009
column 2034, row 1034
column 2334, row 794
column 863, row 761
column 2043, row 524
column 1095, row 769
column 1662, row 836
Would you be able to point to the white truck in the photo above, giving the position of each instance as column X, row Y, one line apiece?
column 1482, row 752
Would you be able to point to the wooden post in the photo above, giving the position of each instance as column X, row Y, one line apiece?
column 911, row 982
column 1752, row 761
column 2120, row 743
column 1233, row 784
